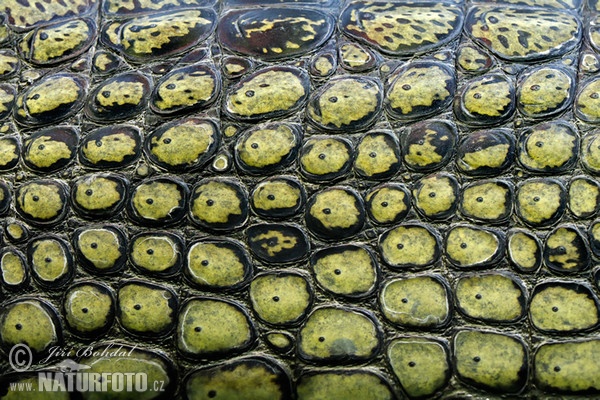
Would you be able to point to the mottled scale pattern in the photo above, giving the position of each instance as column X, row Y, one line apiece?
column 301, row 199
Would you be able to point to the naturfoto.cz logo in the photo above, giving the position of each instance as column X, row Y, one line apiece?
column 71, row 376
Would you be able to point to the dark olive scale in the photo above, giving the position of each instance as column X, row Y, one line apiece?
column 105, row 62
column 569, row 355
column 469, row 246
column 388, row 203
column 280, row 297
column 485, row 100
column 51, row 261
column 31, row 320
column 24, row 16
column 402, row 29
column 101, row 249
column 278, row 197
column 58, row 42
column 200, row 326
column 420, row 89
column 339, row 334
column 5, row 197
column 540, row 201
column 156, row 363
column 13, row 269
column 89, row 308
column 377, row 156
column 593, row 234
column 146, row 309
column 268, row 148
column 486, row 153
column 566, row 250
column 436, row 196
column 7, row 99
column 42, row 202
column 219, row 204
column 583, row 197
column 346, row 103
column 344, row 383
column 491, row 360
column 124, row 8
column 119, row 97
column 274, row 33
column 545, row 91
column 270, row 92
column 429, row 145
column 9, row 64
column 417, row 302
column 551, row 147
column 234, row 67
column 564, row 307
column 325, row 158
column 10, row 150
column 217, row 265
column 491, row 297
column 334, row 213
column 53, row 98
column 421, row 355
column 524, row 250
column 278, row 243
column 110, row 147
column 410, row 245
column 539, row 33
column 51, row 149
column 158, row 254
column 183, row 145
column 333, row 273
column 158, row 201
column 186, row 89
column 488, row 201
column 263, row 375
column 99, row 195
column 356, row 58
column 158, row 35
